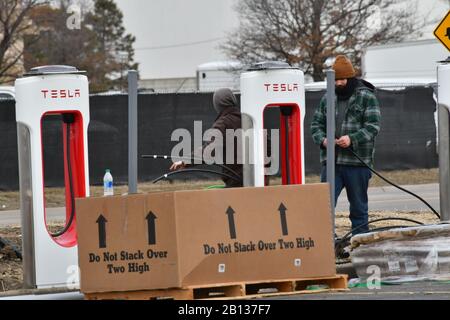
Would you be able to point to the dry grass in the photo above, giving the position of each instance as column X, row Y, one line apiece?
column 9, row 201
column 408, row 177
column 55, row 197
column 400, row 177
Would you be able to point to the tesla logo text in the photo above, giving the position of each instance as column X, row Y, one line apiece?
column 281, row 87
column 61, row 94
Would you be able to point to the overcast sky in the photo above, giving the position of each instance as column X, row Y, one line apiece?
column 175, row 36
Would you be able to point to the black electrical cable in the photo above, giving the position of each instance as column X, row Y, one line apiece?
column 69, row 169
column 165, row 176
column 192, row 159
column 339, row 242
column 5, row 243
column 393, row 184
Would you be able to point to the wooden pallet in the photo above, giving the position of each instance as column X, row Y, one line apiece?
column 241, row 290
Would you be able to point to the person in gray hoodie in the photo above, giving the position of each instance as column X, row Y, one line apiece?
column 229, row 117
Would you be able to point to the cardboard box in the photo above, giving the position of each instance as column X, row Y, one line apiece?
column 179, row 239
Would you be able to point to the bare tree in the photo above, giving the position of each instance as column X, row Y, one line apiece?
column 99, row 45
column 14, row 24
column 305, row 33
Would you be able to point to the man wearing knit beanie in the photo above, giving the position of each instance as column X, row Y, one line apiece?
column 357, row 125
column 228, row 118
column 343, row 68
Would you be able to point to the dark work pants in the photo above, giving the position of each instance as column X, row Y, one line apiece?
column 355, row 180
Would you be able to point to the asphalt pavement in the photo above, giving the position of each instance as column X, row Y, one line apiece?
column 12, row 218
column 423, row 290
column 393, row 199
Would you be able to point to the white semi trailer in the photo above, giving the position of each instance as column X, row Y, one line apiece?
column 411, row 61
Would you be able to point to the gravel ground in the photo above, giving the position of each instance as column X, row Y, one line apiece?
column 11, row 276
column 11, row 273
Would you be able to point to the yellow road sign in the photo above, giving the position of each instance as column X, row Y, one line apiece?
column 442, row 31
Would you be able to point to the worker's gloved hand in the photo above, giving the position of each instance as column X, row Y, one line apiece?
column 177, row 166
column 344, row 142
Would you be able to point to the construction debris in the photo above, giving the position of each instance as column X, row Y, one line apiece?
column 403, row 254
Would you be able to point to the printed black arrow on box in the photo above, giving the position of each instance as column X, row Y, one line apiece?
column 230, row 214
column 284, row 226
column 151, row 217
column 101, row 221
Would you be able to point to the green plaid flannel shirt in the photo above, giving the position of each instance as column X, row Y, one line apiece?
column 361, row 124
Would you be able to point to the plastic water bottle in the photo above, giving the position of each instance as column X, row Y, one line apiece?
column 108, row 189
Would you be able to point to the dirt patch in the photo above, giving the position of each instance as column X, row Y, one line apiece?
column 11, row 272
column 11, row 275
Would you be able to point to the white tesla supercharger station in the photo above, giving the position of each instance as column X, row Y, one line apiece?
column 444, row 137
column 273, row 85
column 61, row 92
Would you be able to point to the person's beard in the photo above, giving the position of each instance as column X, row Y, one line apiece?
column 345, row 92
column 340, row 90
